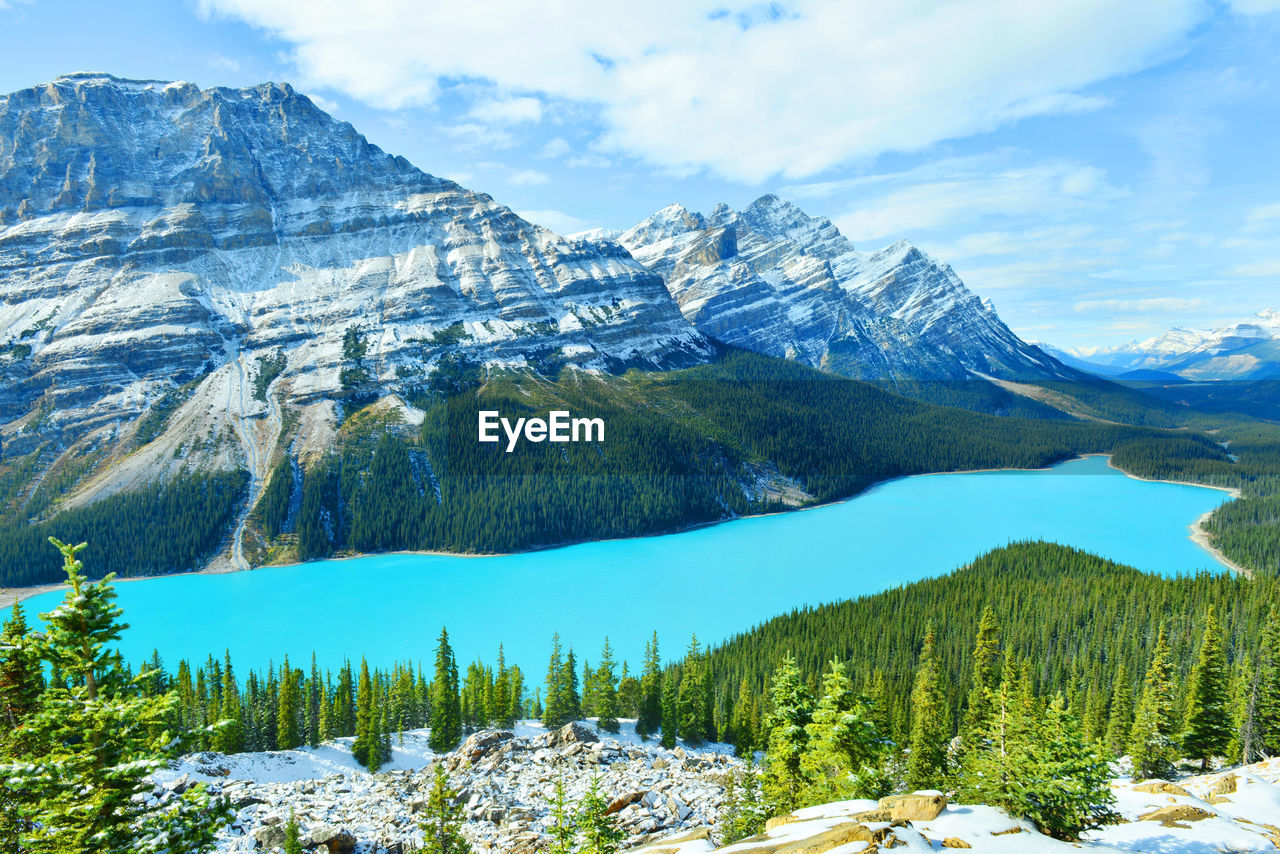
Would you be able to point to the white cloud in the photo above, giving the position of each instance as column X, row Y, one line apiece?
column 557, row 147
column 693, row 84
column 590, row 161
column 1149, row 304
column 528, row 178
column 558, row 221
column 471, row 135
column 1258, row 269
column 1264, row 213
column 963, row 192
column 508, row 111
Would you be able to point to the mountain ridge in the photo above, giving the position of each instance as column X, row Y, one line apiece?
column 773, row 279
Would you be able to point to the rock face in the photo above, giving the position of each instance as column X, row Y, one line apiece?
column 774, row 280
column 154, row 234
column 505, row 783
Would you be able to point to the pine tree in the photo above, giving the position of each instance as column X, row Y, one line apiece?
column 649, row 715
column 563, row 829
column 670, row 715
column 288, row 711
column 1035, row 763
column 503, row 707
column 556, row 713
column 344, row 703
column 20, row 678
column 230, row 735
column 1151, row 738
column 790, row 713
column 1120, row 722
column 1208, row 731
column 314, row 701
column 743, row 813
column 572, row 694
column 743, row 720
column 95, row 738
column 292, row 836
column 606, row 691
column 692, row 698
column 442, row 818
column 363, row 748
column 446, row 704
column 927, row 762
column 1267, row 705
column 843, row 754
column 600, row 831
column 986, row 676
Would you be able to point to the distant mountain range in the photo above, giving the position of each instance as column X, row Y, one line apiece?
column 1248, row 350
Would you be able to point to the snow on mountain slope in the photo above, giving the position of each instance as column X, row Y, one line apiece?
column 1247, row 350
column 155, row 234
column 771, row 278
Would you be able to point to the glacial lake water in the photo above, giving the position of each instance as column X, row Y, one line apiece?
column 715, row 581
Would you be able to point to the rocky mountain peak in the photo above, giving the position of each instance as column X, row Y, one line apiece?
column 792, row 285
column 214, row 249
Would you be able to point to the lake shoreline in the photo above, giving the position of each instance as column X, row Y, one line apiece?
column 11, row 595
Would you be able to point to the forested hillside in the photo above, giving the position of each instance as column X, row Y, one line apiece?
column 745, row 434
column 1080, row 622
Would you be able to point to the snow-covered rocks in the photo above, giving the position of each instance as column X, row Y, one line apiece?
column 505, row 780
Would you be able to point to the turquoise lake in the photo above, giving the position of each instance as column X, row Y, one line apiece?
column 714, row 581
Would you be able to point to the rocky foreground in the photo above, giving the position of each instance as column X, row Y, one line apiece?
column 506, row 779
column 669, row 802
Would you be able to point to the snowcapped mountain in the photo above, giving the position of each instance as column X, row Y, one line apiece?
column 1248, row 350
column 157, row 235
column 772, row 279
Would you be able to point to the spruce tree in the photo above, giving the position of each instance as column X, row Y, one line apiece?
column 556, row 712
column 649, row 714
column 572, row 694
column 986, row 676
column 20, row 678
column 504, row 709
column 363, row 748
column 288, row 710
column 1267, row 705
column 598, row 829
column 230, row 735
column 82, row 768
column 563, row 829
column 843, row 754
column 1120, row 721
column 1035, row 763
column 292, row 836
column 790, row 713
column 692, row 697
column 442, row 819
column 606, row 691
column 927, row 762
column 670, row 713
column 1151, row 744
column 1208, row 731
column 446, row 705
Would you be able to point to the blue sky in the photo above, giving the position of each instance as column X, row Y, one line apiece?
column 1101, row 171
